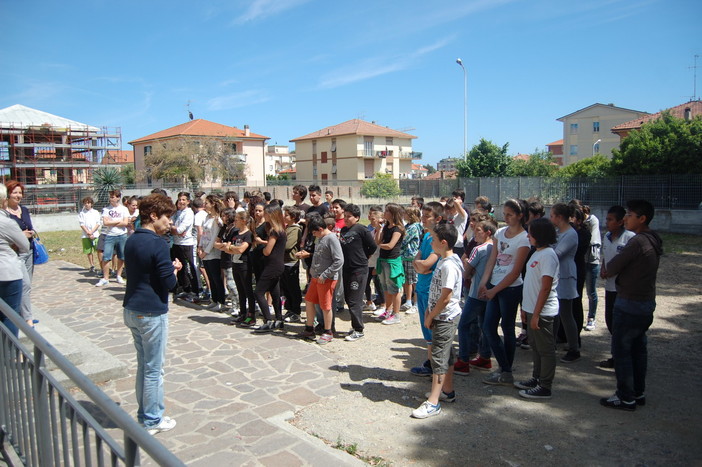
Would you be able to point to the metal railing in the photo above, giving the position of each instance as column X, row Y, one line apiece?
column 45, row 425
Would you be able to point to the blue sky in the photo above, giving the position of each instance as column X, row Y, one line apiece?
column 290, row 67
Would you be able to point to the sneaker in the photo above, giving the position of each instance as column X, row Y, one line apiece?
column 369, row 307
column 614, row 402
column 525, row 344
column 268, row 326
column 379, row 311
column 481, row 363
column 590, row 326
column 444, row 396
column 214, row 306
column 102, row 282
column 325, row 339
column 248, row 322
column 423, row 370
column 521, row 337
column 537, row 392
column 92, row 269
column 640, row 400
column 411, row 310
column 498, row 378
column 609, row 363
column 405, row 306
column 392, row 319
column 120, row 280
column 291, row 317
column 426, row 410
column 531, row 383
column 461, row 368
column 309, row 335
column 234, row 312
column 353, row 336
column 570, row 357
column 166, row 424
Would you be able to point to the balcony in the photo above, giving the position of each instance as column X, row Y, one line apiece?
column 410, row 155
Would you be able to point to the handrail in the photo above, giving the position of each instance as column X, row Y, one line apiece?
column 43, row 383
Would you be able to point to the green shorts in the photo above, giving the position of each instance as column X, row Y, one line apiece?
column 89, row 246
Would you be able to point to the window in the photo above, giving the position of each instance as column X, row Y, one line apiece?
column 325, row 177
column 573, row 149
column 596, row 149
column 368, row 146
column 324, row 157
column 388, row 140
column 147, row 150
column 573, row 128
column 333, row 145
column 595, row 127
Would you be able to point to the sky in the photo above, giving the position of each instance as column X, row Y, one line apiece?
column 287, row 68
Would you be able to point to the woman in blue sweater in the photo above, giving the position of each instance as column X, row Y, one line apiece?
column 150, row 276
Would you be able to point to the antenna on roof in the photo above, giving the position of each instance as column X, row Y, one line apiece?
column 694, row 79
column 190, row 114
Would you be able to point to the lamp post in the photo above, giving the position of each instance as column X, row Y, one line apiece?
column 595, row 144
column 465, row 107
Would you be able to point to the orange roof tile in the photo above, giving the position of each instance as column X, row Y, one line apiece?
column 556, row 143
column 521, row 157
column 677, row 111
column 419, row 167
column 118, row 156
column 354, row 127
column 199, row 127
column 448, row 174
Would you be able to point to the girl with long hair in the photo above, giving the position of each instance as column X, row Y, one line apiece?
column 211, row 256
column 391, row 272
column 239, row 248
column 502, row 286
column 273, row 268
column 225, row 237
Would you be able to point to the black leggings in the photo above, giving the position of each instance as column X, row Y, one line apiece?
column 188, row 276
column 213, row 269
column 244, row 285
column 269, row 282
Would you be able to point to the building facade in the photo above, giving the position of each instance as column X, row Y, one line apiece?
column 587, row 131
column 353, row 150
column 278, row 160
column 240, row 146
column 686, row 111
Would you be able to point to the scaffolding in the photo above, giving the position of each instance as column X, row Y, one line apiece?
column 55, row 164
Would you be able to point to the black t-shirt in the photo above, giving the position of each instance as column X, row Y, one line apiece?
column 357, row 244
column 240, row 239
column 275, row 262
column 386, row 236
column 321, row 209
column 304, row 207
column 262, row 233
column 227, row 234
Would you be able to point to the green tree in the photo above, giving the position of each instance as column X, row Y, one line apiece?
column 382, row 186
column 539, row 164
column 430, row 169
column 596, row 166
column 106, row 179
column 667, row 145
column 128, row 174
column 485, row 159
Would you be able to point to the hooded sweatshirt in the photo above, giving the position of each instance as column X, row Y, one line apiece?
column 636, row 267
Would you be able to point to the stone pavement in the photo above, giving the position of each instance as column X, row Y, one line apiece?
column 230, row 391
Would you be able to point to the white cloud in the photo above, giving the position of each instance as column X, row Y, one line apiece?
column 377, row 66
column 259, row 9
column 237, row 100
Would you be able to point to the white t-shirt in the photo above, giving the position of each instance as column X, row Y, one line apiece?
column 478, row 260
column 506, row 252
column 89, row 219
column 543, row 262
column 115, row 212
column 447, row 275
column 610, row 249
column 210, row 230
column 459, row 222
column 183, row 222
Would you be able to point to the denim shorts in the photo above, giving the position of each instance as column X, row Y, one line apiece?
column 114, row 243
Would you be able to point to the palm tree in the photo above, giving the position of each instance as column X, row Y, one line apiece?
column 106, row 179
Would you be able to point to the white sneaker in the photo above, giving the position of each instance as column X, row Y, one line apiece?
column 368, row 307
column 411, row 310
column 166, row 424
column 102, row 282
column 392, row 319
column 590, row 326
column 426, row 410
column 379, row 311
column 120, row 280
column 216, row 307
column 405, row 306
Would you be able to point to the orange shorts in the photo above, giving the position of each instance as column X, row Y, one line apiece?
column 321, row 294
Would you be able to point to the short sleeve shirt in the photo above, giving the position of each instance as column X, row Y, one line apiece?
column 447, row 275
column 542, row 263
column 507, row 249
column 115, row 212
column 477, row 260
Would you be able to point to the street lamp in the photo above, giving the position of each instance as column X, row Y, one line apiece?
column 465, row 106
column 595, row 144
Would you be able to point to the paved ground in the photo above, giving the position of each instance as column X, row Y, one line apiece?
column 230, row 391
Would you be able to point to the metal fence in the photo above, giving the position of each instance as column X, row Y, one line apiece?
column 663, row 191
column 45, row 425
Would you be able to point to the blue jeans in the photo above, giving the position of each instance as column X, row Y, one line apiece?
column 112, row 243
column 422, row 304
column 469, row 330
column 11, row 293
column 630, row 321
column 502, row 307
column 592, row 272
column 150, row 332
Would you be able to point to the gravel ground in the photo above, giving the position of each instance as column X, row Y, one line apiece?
column 493, row 425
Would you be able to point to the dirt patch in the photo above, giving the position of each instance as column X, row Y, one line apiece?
column 493, row 425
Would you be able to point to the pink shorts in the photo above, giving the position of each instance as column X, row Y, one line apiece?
column 321, row 294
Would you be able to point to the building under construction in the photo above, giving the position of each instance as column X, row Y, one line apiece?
column 53, row 157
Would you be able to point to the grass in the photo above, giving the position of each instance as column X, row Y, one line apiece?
column 352, row 449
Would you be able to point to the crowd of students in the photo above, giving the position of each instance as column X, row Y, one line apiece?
column 457, row 269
